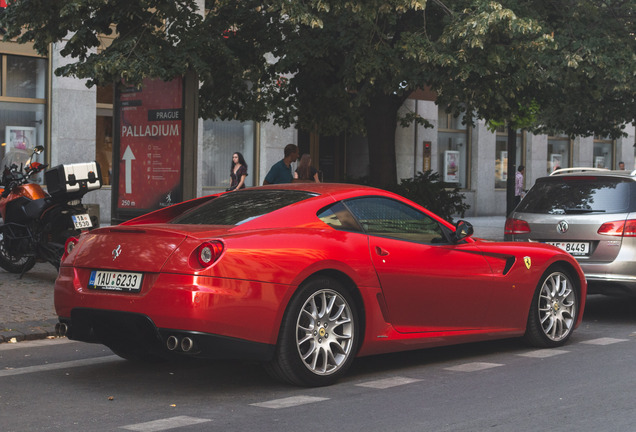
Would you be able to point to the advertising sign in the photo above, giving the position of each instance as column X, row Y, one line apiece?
column 451, row 166
column 149, row 131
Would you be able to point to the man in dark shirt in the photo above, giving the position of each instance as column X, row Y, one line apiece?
column 281, row 171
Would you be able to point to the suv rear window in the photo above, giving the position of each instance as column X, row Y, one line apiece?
column 579, row 195
column 237, row 208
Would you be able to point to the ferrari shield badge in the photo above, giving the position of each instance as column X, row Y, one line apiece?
column 528, row 262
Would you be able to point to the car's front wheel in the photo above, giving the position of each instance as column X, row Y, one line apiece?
column 319, row 335
column 554, row 309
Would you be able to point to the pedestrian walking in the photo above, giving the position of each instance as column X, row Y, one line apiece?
column 305, row 172
column 281, row 171
column 238, row 172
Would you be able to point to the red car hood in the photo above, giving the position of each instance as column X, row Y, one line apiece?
column 136, row 248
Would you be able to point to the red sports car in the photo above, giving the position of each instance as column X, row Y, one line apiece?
column 305, row 277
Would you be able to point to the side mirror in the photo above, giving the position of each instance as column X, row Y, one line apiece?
column 38, row 149
column 463, row 230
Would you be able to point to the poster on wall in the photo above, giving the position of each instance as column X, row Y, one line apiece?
column 20, row 138
column 556, row 161
column 149, row 128
column 503, row 167
column 451, row 166
column 599, row 161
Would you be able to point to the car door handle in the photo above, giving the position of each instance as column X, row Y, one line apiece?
column 380, row 251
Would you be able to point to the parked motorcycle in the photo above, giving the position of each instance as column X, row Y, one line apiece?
column 36, row 224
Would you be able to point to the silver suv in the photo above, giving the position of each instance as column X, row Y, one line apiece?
column 590, row 213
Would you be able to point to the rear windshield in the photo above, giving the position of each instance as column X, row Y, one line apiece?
column 579, row 196
column 237, row 208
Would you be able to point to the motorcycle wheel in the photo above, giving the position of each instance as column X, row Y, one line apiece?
column 14, row 264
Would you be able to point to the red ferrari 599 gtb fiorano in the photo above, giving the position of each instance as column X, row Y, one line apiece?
column 305, row 277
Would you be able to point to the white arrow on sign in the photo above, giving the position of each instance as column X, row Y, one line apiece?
column 128, row 158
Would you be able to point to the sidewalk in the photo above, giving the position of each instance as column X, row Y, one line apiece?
column 26, row 305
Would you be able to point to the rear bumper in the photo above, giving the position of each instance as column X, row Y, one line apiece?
column 132, row 332
column 238, row 316
column 610, row 285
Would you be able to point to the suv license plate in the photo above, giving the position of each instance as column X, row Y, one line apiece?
column 82, row 221
column 574, row 248
column 115, row 281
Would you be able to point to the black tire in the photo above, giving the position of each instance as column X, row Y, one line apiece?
column 14, row 264
column 554, row 309
column 319, row 335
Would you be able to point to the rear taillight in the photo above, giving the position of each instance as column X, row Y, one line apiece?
column 209, row 252
column 69, row 246
column 516, row 226
column 619, row 228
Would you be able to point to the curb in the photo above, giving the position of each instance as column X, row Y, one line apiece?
column 27, row 330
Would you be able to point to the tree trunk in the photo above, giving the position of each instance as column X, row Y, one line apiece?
column 512, row 172
column 381, row 123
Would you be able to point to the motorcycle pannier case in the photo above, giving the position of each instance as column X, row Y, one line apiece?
column 73, row 180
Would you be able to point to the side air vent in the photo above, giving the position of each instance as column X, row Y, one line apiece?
column 509, row 263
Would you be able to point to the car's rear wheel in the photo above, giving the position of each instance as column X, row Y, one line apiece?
column 319, row 335
column 554, row 309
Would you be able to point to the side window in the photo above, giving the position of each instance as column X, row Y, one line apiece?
column 390, row 218
column 338, row 217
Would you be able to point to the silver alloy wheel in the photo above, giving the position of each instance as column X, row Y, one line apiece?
column 557, row 306
column 324, row 332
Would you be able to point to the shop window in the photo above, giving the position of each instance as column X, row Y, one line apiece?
column 26, row 77
column 501, row 156
column 603, row 156
column 453, row 145
column 559, row 151
column 23, row 118
column 221, row 139
column 104, row 132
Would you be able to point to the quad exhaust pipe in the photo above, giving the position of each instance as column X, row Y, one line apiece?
column 186, row 344
column 61, row 329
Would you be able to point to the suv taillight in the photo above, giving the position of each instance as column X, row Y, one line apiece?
column 619, row 228
column 516, row 226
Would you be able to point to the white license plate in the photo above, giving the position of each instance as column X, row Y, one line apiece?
column 82, row 221
column 115, row 281
column 574, row 248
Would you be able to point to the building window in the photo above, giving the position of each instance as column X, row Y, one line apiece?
column 501, row 156
column 559, row 151
column 104, row 132
column 221, row 139
column 603, row 152
column 23, row 118
column 453, row 145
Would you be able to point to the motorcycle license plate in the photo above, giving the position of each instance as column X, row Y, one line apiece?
column 115, row 281
column 82, row 221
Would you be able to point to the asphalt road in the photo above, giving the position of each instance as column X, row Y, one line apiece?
column 586, row 385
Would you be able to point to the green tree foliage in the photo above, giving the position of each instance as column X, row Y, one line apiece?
column 347, row 66
column 428, row 190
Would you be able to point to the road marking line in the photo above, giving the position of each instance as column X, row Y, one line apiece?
column 543, row 353
column 388, row 382
column 604, row 341
column 473, row 367
column 289, row 402
column 56, row 366
column 165, row 424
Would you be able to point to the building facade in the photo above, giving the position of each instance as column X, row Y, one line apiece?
column 75, row 124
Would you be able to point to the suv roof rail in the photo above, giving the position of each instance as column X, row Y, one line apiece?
column 576, row 169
